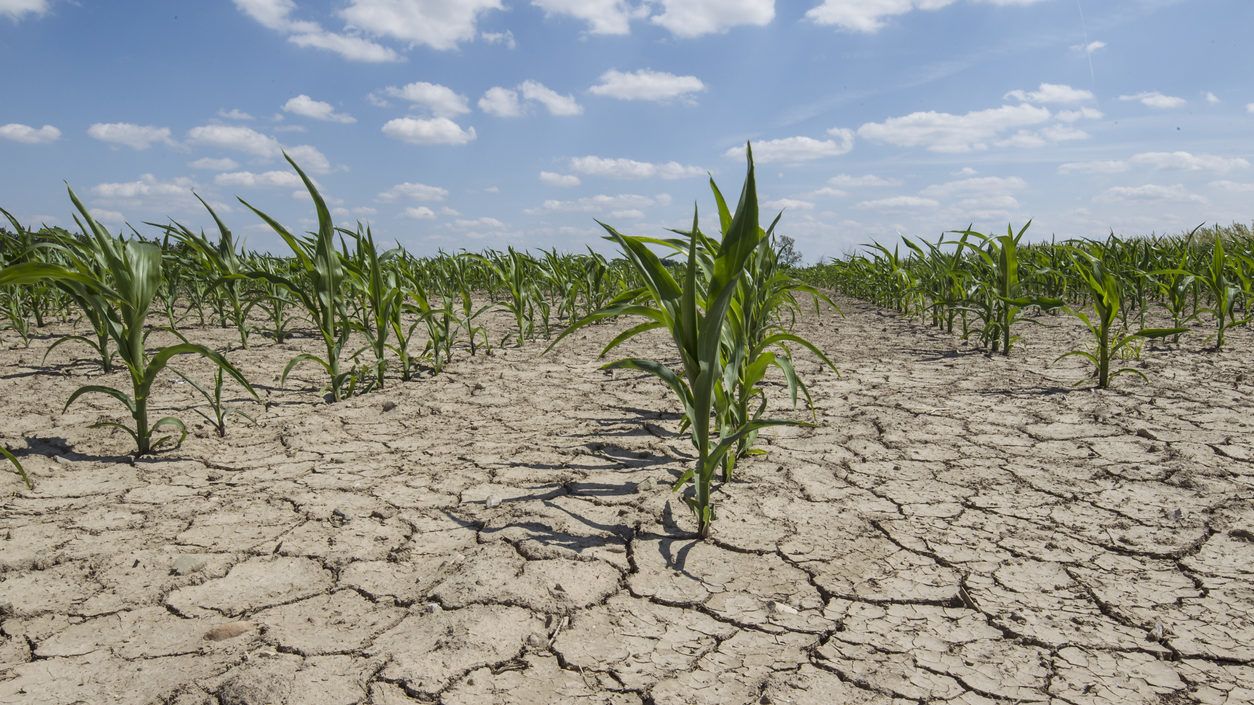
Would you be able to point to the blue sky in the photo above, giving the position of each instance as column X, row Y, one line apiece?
column 484, row 123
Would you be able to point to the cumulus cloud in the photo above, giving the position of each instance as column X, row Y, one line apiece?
column 631, row 169
column 438, row 24
column 505, row 39
column 974, row 187
column 248, row 179
column 127, row 134
column 1161, row 161
column 562, row 180
column 438, row 130
column 501, row 102
column 1052, row 93
column 872, row 15
column 780, row 204
column 505, row 102
column 947, row 132
column 441, row 101
column 305, row 106
column 277, row 15
column 602, row 203
column 1154, row 99
column 894, row 203
column 1175, row 193
column 18, row 9
column 26, row 134
column 791, row 150
column 234, row 114
column 554, row 102
column 693, row 18
column 236, row 138
column 1211, row 98
column 214, row 164
column 419, row 213
column 647, row 84
column 866, row 180
column 601, row 16
column 149, row 193
column 413, row 191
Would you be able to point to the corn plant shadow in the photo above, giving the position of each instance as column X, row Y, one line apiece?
column 57, row 447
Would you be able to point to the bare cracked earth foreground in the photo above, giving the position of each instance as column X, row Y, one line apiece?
column 958, row 530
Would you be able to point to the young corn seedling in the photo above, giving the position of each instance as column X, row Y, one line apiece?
column 316, row 284
column 220, row 411
column 1105, row 298
column 694, row 313
column 1001, row 256
column 124, row 293
column 17, row 467
column 1216, row 277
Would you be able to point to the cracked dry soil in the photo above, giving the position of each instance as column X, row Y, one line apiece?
column 959, row 529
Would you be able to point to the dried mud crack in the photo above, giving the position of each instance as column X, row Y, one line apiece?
column 958, row 529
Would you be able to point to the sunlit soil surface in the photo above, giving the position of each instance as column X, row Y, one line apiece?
column 959, row 529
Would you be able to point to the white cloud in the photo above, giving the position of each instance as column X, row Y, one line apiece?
column 946, row 132
column 627, row 214
column 29, row 135
column 212, row 164
column 791, row 150
column 1149, row 193
column 147, row 191
column 632, row 169
column 17, row 9
column 693, row 18
column 414, row 192
column 554, row 102
column 1090, row 48
column 1186, row 161
column 1161, row 161
column 1232, row 186
column 438, row 130
column 236, row 138
column 305, row 106
column 602, row 203
column 505, row 39
column 439, row 24
column 309, row 158
column 872, row 15
column 1154, row 99
column 647, row 84
column 1211, row 98
column 276, row 15
column 780, row 204
column 1112, row 166
column 504, row 102
column 130, row 135
column 980, row 185
column 868, row 180
column 234, row 114
column 248, row 179
column 828, row 192
column 419, row 213
column 555, row 179
column 1085, row 113
column 1052, row 93
column 442, row 101
column 1249, row 108
column 893, row 203
column 602, row 16
column 501, row 102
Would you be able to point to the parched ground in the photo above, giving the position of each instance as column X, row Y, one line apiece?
column 959, row 529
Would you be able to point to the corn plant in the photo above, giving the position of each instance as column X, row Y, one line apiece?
column 219, row 411
column 379, row 295
column 221, row 260
column 124, row 293
column 1106, row 299
column 17, row 467
column 1216, row 277
column 316, row 284
column 694, row 313
column 1000, row 256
